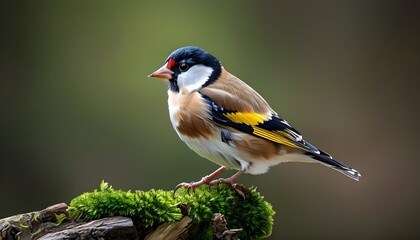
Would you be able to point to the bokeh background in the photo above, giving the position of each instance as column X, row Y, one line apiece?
column 77, row 106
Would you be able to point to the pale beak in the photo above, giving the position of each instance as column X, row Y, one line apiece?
column 162, row 72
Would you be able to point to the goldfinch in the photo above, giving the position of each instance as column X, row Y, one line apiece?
column 224, row 120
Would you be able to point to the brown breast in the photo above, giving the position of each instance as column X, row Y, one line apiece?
column 190, row 115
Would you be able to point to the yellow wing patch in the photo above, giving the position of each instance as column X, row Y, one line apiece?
column 247, row 118
column 278, row 137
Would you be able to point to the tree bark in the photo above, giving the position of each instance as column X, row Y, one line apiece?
column 46, row 225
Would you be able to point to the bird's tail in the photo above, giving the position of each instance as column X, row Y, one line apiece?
column 327, row 160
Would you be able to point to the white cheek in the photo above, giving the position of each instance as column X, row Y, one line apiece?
column 195, row 77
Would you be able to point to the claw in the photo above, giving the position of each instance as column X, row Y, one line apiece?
column 205, row 180
column 230, row 181
column 238, row 191
column 209, row 181
column 188, row 186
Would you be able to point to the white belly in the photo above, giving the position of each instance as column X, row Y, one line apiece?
column 217, row 152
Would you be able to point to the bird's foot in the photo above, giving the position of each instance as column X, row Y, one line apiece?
column 230, row 181
column 193, row 185
column 205, row 180
column 208, row 180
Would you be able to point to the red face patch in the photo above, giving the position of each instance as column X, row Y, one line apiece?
column 170, row 64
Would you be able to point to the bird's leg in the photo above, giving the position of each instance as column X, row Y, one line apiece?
column 205, row 180
column 231, row 180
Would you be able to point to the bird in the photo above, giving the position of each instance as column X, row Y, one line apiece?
column 224, row 120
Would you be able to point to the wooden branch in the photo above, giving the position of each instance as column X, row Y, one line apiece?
column 42, row 225
column 106, row 228
column 106, row 213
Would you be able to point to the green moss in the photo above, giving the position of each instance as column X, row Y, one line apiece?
column 154, row 207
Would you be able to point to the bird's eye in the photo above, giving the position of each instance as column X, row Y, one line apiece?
column 183, row 67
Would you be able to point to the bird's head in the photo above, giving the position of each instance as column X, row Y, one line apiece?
column 189, row 69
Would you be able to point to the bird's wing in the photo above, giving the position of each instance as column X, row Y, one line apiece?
column 270, row 127
column 234, row 104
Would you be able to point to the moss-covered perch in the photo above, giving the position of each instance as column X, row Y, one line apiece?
column 217, row 212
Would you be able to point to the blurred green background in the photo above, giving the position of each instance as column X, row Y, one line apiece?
column 77, row 106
